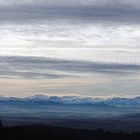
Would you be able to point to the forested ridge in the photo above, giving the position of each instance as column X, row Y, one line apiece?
column 42, row 132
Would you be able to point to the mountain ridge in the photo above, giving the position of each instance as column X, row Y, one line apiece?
column 71, row 99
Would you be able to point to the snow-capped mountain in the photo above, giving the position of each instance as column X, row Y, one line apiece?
column 64, row 99
column 124, row 102
column 40, row 98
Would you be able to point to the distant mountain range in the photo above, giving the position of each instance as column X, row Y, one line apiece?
column 45, row 99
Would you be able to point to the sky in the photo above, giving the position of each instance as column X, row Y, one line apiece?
column 81, row 47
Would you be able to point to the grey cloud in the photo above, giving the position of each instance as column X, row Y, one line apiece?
column 91, row 10
column 37, row 67
column 135, row 3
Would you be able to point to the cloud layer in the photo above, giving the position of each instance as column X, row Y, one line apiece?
column 32, row 67
column 102, row 10
column 135, row 3
column 61, row 39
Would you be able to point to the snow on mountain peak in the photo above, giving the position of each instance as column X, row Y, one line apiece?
column 116, row 101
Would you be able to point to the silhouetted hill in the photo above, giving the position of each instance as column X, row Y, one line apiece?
column 40, row 132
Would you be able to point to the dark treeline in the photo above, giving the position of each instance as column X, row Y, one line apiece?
column 40, row 132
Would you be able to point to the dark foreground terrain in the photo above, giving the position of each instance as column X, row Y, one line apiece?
column 40, row 132
column 125, row 123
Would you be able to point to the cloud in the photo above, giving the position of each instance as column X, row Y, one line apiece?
column 28, row 26
column 86, row 34
column 34, row 67
column 85, row 10
column 135, row 3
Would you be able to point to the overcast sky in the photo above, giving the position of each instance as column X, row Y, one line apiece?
column 100, row 9
column 55, row 39
column 72, row 2
column 96, row 22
